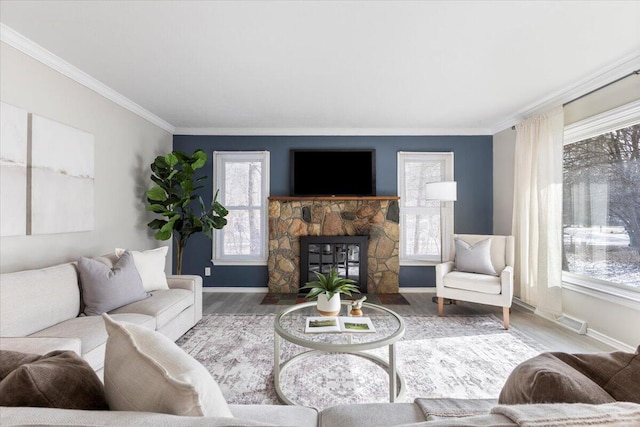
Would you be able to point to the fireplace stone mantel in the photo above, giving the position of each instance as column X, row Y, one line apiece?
column 292, row 217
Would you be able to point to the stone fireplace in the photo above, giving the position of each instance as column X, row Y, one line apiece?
column 293, row 217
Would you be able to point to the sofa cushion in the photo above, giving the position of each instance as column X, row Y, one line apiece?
column 104, row 288
column 59, row 379
column 482, row 283
column 371, row 414
column 72, row 417
column 281, row 415
column 150, row 265
column 40, row 345
column 547, row 379
column 146, row 371
column 92, row 333
column 163, row 305
column 36, row 299
column 474, row 258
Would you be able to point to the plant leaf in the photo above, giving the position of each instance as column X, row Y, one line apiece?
column 157, row 194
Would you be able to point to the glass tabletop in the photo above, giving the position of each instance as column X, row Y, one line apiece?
column 389, row 327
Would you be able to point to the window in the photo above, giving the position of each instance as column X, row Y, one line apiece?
column 242, row 178
column 601, row 200
column 421, row 223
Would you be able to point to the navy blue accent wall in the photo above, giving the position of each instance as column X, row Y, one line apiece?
column 473, row 170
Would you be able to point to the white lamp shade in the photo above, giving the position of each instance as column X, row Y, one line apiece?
column 445, row 191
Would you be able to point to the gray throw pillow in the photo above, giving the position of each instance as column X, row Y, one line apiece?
column 474, row 259
column 105, row 289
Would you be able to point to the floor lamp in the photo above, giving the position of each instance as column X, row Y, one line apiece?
column 443, row 191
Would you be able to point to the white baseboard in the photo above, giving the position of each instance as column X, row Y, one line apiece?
column 610, row 341
column 599, row 336
column 425, row 290
column 239, row 290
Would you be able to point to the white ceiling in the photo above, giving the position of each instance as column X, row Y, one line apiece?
column 268, row 67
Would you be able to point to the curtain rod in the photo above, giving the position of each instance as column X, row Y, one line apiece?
column 636, row 72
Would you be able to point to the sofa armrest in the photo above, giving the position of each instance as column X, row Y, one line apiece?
column 191, row 283
column 40, row 345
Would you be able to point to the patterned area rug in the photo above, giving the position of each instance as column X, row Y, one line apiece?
column 453, row 356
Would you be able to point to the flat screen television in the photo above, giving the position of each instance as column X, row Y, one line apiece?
column 337, row 172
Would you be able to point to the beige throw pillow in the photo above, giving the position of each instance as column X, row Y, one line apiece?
column 146, row 371
column 150, row 265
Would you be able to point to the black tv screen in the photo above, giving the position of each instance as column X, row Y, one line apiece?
column 344, row 172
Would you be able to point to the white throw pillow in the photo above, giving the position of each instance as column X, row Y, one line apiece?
column 474, row 259
column 150, row 265
column 146, row 371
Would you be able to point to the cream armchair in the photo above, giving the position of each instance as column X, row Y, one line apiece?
column 480, row 288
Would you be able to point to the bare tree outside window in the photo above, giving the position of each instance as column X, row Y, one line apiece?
column 420, row 218
column 601, row 207
column 243, row 178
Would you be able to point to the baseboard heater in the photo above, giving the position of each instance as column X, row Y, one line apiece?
column 579, row 326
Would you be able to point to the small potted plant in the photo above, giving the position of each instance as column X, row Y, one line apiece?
column 328, row 290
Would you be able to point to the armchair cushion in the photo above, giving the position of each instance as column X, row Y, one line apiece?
column 473, row 282
column 474, row 258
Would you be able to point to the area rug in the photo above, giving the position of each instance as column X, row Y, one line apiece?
column 452, row 356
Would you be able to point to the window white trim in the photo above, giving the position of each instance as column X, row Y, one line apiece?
column 617, row 118
column 600, row 289
column 446, row 207
column 219, row 160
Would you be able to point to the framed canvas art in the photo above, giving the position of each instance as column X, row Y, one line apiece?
column 62, row 178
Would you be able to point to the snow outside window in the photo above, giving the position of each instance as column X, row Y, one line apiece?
column 421, row 223
column 242, row 178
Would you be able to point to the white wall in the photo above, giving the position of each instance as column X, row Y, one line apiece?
column 504, row 145
column 125, row 145
column 606, row 319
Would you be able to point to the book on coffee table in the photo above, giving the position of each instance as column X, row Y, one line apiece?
column 323, row 324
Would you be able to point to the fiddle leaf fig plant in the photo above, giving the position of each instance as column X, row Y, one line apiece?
column 173, row 197
column 330, row 285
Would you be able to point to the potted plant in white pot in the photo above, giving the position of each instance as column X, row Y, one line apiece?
column 328, row 289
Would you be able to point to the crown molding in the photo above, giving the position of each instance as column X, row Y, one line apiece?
column 37, row 52
column 332, row 131
column 616, row 70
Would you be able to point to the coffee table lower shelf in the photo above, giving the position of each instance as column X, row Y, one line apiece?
column 396, row 380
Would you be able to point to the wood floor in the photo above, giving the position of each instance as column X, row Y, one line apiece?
column 551, row 335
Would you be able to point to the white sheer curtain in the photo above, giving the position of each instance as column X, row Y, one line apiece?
column 537, row 211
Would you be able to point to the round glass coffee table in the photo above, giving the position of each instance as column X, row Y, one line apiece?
column 289, row 325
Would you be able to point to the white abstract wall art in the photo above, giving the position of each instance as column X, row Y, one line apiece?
column 62, row 177
column 13, row 170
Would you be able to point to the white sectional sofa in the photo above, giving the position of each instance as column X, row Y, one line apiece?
column 40, row 311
